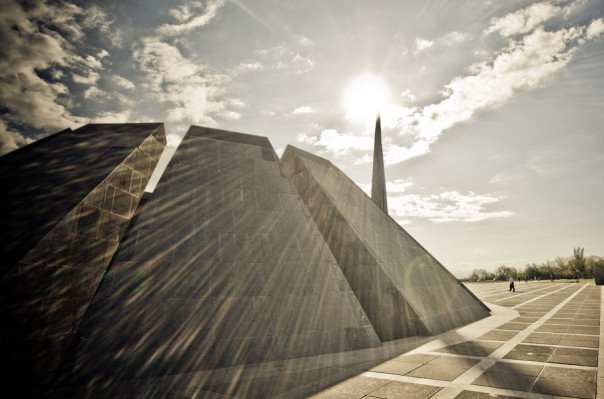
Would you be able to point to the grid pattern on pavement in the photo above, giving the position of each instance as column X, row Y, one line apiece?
column 549, row 350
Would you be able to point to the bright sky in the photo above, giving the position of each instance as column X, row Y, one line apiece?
column 492, row 111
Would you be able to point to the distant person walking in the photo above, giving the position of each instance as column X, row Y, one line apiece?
column 512, row 284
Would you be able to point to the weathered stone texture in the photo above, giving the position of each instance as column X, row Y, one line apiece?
column 63, row 227
column 402, row 288
column 222, row 266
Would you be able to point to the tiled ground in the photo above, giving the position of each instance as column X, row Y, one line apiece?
column 549, row 350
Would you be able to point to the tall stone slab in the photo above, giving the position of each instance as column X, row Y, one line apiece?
column 403, row 289
column 378, row 176
column 223, row 266
column 67, row 200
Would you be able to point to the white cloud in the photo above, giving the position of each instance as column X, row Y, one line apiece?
column 91, row 79
column 454, row 37
column 112, row 117
column 251, row 66
column 46, row 37
column 595, row 29
column 305, row 109
column 235, row 102
column 305, row 41
column 189, row 89
column 93, row 92
column 190, row 19
column 108, row 97
column 185, row 11
column 10, row 140
column 408, row 94
column 397, row 186
column 523, row 21
column 123, row 82
column 422, row 44
column 523, row 65
column 281, row 57
column 338, row 143
column 449, row 206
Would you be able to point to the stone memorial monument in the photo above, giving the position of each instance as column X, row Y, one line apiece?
column 237, row 258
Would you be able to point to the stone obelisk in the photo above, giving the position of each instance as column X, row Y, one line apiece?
column 378, row 181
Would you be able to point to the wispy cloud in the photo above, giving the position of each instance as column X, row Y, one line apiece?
column 191, row 92
column 10, row 140
column 527, row 62
column 190, row 17
column 251, row 66
column 525, row 20
column 305, row 109
column 123, row 82
column 112, row 117
column 91, row 79
column 454, row 37
column 46, row 38
column 450, row 206
column 522, row 65
column 422, row 44
column 281, row 57
column 338, row 143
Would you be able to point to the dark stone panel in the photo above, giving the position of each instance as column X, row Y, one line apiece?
column 224, row 135
column 268, row 154
column 58, row 217
column 393, row 276
column 212, row 273
column 57, row 173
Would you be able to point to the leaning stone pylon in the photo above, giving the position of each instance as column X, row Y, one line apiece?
column 67, row 200
column 403, row 289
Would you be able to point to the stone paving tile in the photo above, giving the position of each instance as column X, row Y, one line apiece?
column 555, row 328
column 416, row 358
column 482, row 395
column 443, row 368
column 516, row 368
column 564, row 387
column 514, row 326
column 459, row 362
column 499, row 335
column 396, row 367
column 404, row 390
column 580, row 340
column 584, row 330
column 544, row 338
column 534, row 353
column 586, row 376
column 524, row 319
column 472, row 348
column 563, row 322
column 581, row 357
column 331, row 394
column 587, row 322
column 359, row 385
column 559, row 320
column 569, row 337
column 506, row 381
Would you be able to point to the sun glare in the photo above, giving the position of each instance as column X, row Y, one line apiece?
column 364, row 97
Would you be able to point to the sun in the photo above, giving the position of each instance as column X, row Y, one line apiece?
column 364, row 97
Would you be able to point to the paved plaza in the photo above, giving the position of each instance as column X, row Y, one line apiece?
column 541, row 342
